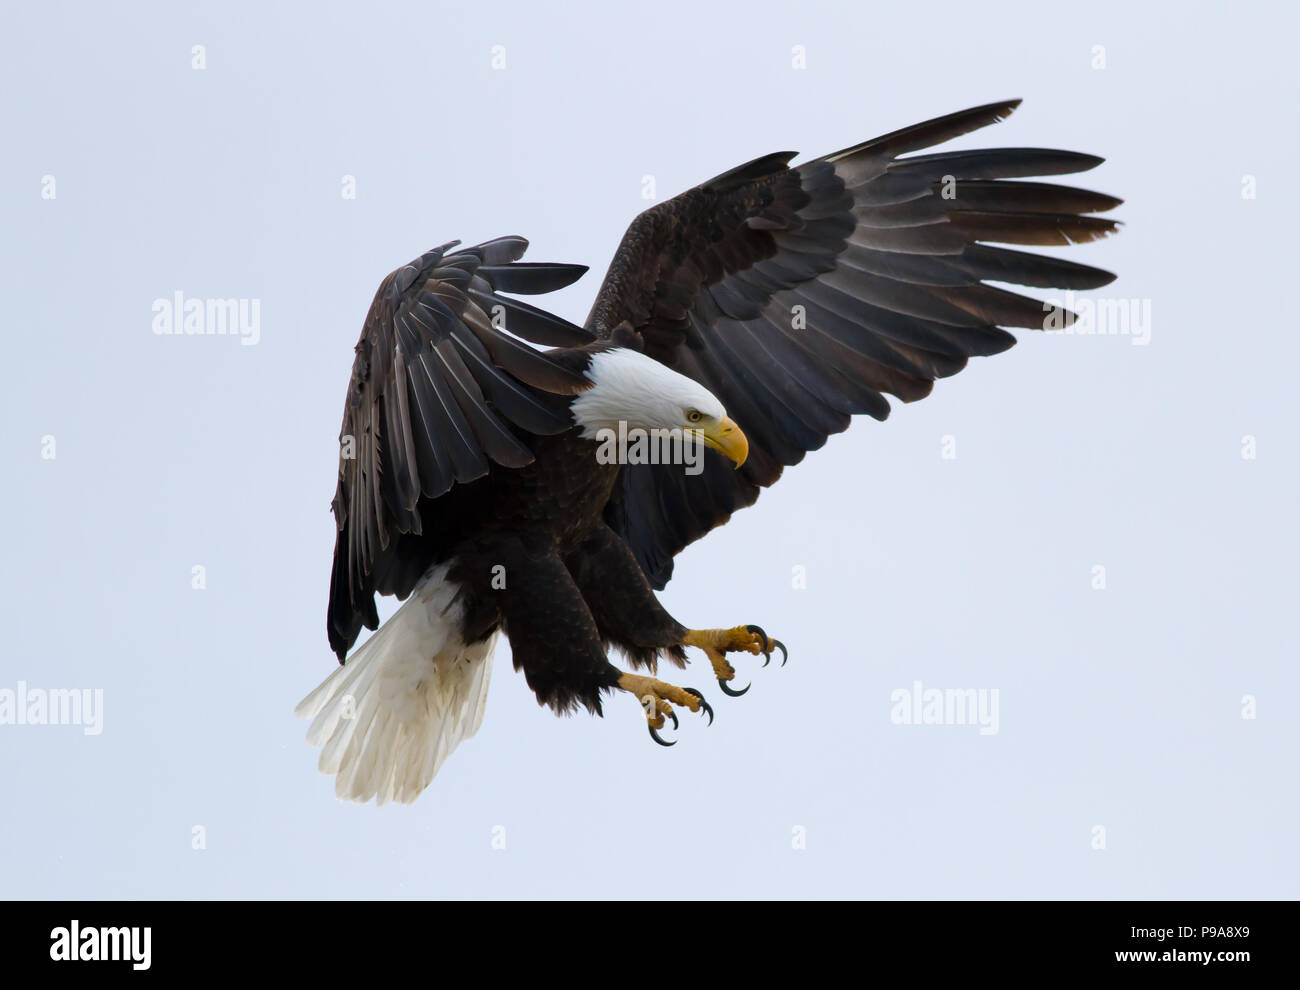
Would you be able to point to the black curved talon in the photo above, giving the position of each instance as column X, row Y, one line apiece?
column 654, row 733
column 730, row 693
column 704, row 705
column 785, row 654
column 767, row 654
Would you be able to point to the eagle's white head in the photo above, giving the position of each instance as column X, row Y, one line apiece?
column 642, row 394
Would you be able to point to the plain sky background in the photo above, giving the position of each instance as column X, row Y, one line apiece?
column 1121, row 708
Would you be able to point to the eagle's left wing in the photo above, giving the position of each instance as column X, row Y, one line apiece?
column 799, row 295
column 438, row 385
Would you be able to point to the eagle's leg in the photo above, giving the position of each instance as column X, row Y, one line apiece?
column 553, row 637
column 623, row 604
column 556, row 640
column 657, row 699
column 716, row 643
column 628, row 614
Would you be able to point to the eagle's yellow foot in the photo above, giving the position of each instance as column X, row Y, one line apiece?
column 716, row 643
column 658, row 698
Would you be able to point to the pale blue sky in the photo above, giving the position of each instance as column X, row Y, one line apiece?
column 1119, row 708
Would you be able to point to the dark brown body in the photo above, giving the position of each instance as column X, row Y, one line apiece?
column 561, row 584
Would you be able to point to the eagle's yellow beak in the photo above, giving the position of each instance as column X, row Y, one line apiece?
column 727, row 438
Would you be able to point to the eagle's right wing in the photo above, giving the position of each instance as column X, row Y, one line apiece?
column 435, row 387
column 800, row 295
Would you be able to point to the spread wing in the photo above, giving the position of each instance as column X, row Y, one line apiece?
column 801, row 296
column 437, row 384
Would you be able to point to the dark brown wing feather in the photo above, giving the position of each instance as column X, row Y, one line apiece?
column 800, row 296
column 436, row 389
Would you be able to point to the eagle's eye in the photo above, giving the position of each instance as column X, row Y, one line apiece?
column 694, row 415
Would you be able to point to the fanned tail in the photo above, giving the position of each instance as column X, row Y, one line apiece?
column 391, row 715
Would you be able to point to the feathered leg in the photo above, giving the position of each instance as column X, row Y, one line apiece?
column 554, row 639
column 623, row 604
column 628, row 614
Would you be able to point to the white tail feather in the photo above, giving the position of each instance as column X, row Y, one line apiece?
column 391, row 715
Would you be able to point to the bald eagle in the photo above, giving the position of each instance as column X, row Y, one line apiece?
column 486, row 477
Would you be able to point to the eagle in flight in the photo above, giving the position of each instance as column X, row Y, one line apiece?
column 751, row 317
